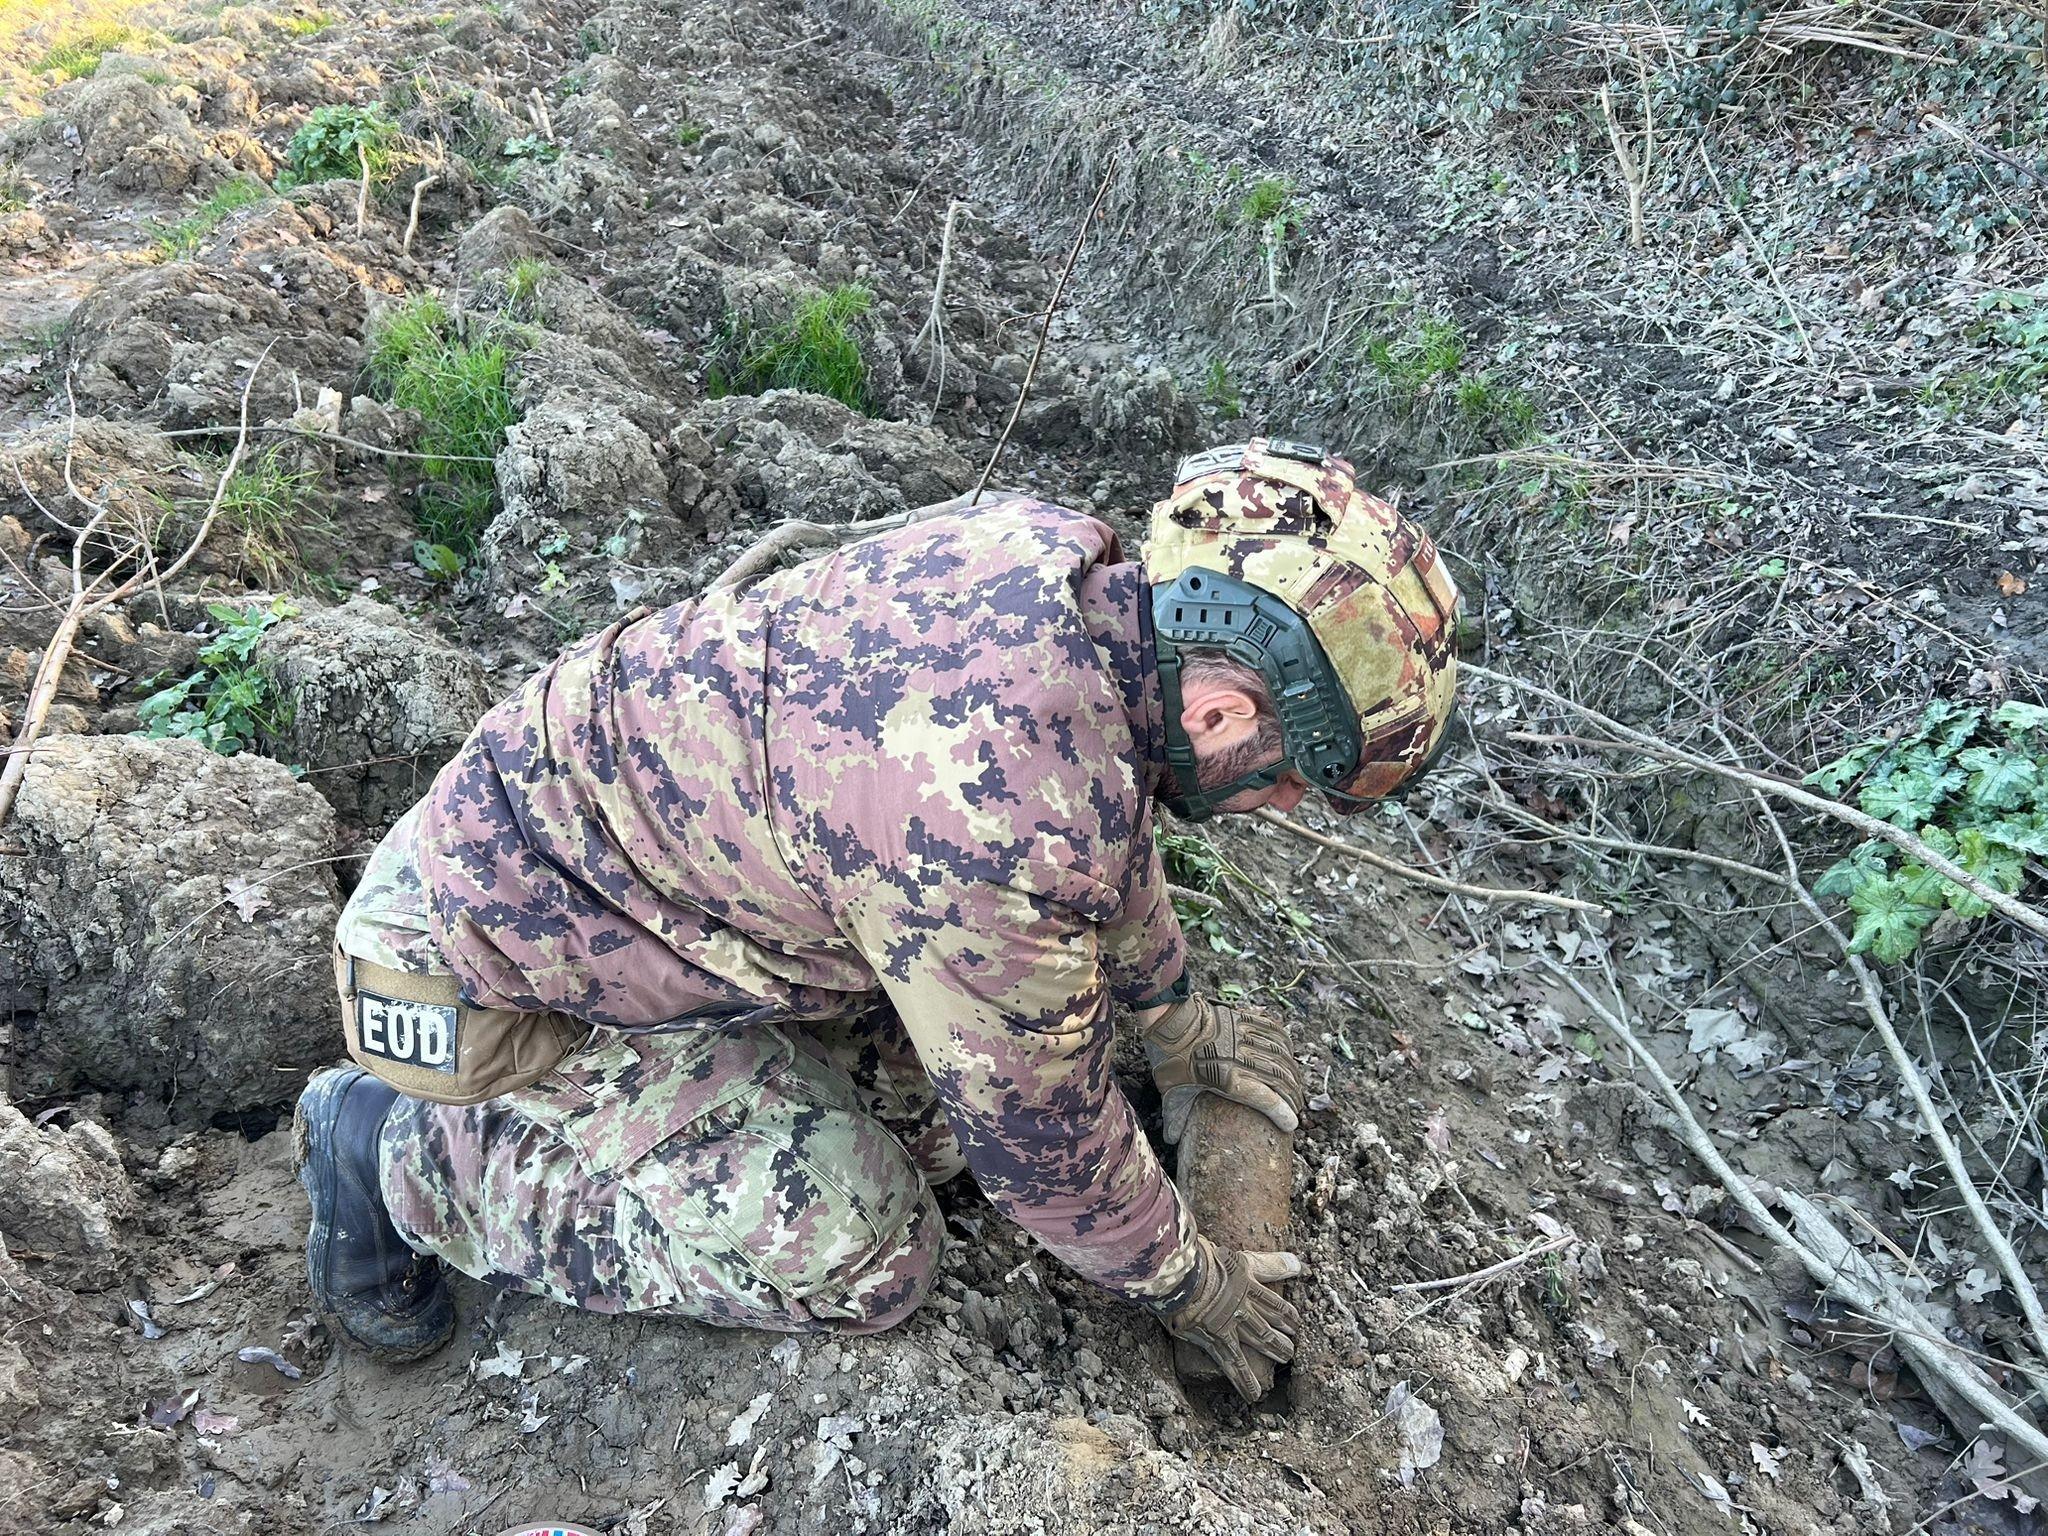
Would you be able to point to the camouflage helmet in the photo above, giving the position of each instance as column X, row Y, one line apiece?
column 1264, row 540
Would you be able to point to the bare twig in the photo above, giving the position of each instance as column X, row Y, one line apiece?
column 1435, row 882
column 1045, row 328
column 782, row 539
column 412, row 218
column 1478, row 1276
column 1550, row 829
column 1632, row 740
column 88, row 597
column 786, row 537
column 363, row 187
column 1632, row 173
column 935, row 323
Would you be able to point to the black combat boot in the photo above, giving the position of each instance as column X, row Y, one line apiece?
column 366, row 1280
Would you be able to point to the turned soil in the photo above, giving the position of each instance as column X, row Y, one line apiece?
column 1634, row 1360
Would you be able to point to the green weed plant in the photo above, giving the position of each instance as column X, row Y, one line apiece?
column 1192, row 861
column 232, row 699
column 1973, row 784
column 813, row 348
column 451, row 370
column 335, row 142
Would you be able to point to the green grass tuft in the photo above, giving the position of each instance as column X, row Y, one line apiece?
column 813, row 349
column 79, row 54
column 523, row 281
column 306, row 23
column 1221, row 391
column 688, row 134
column 333, row 143
column 424, row 358
column 265, row 503
column 1268, row 199
column 173, row 241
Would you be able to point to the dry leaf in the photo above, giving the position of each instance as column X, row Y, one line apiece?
column 2010, row 585
column 247, row 897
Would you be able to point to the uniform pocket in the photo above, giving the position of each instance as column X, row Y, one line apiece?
column 791, row 1189
column 620, row 1098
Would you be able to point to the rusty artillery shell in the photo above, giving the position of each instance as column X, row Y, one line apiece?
column 1236, row 1172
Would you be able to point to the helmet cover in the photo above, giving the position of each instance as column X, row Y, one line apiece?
column 1289, row 520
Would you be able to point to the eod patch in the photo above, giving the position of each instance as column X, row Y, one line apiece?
column 410, row 1034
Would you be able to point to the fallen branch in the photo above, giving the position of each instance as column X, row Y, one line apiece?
column 2026, row 916
column 1421, row 877
column 1045, row 329
column 794, row 534
column 1479, row 1276
column 1834, row 1264
column 784, row 538
column 1551, row 829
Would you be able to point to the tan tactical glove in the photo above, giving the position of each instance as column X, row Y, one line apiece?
column 1231, row 1310
column 1199, row 1047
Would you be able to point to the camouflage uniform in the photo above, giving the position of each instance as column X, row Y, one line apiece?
column 847, row 866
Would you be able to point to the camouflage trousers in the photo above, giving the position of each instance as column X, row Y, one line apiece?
column 772, row 1176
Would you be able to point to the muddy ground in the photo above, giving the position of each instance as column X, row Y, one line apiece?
column 1649, row 1367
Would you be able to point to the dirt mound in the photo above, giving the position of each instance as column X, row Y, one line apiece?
column 167, row 926
column 115, row 135
column 376, row 706
column 792, row 454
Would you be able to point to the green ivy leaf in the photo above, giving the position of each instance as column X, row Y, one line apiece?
column 1846, row 876
column 2022, row 834
column 1951, row 723
column 1999, row 778
column 1889, row 921
column 2017, row 715
column 1998, row 867
column 1834, row 777
column 1907, row 797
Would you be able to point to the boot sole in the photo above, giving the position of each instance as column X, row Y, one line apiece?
column 312, row 1136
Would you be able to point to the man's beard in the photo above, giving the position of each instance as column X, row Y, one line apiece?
column 1226, row 765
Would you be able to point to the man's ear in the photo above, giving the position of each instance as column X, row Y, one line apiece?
column 1219, row 715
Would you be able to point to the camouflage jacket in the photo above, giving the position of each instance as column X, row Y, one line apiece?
column 923, row 763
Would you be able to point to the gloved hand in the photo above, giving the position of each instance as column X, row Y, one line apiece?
column 1230, row 1311
column 1198, row 1047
